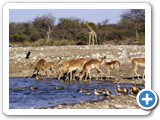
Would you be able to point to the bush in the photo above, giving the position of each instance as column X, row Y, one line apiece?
column 40, row 42
column 63, row 42
column 18, row 38
column 82, row 38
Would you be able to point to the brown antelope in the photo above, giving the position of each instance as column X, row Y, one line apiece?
column 61, row 69
column 63, row 66
column 70, row 66
column 112, row 65
column 74, row 65
column 62, row 62
column 47, row 66
column 93, row 63
column 138, row 62
column 39, row 64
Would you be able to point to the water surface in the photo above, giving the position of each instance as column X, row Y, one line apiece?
column 27, row 93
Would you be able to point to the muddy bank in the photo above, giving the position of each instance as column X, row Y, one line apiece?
column 112, row 102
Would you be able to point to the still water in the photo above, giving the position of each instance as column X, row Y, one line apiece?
column 28, row 93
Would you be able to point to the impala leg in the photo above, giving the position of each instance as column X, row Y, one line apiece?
column 133, row 71
column 80, row 77
column 86, row 75
column 108, row 73
column 143, row 75
column 46, row 72
column 52, row 70
column 99, row 72
column 67, row 76
column 89, row 74
column 59, row 74
column 37, row 72
column 118, row 73
column 70, row 76
column 136, row 72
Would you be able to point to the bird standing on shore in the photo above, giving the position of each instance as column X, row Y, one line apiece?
column 28, row 54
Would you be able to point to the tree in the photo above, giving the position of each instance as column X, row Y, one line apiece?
column 104, row 22
column 44, row 24
column 69, row 27
column 134, row 18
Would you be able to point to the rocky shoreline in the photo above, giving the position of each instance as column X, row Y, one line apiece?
column 111, row 102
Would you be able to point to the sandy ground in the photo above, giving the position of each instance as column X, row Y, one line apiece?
column 21, row 67
column 112, row 102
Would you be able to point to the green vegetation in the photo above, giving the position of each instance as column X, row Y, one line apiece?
column 73, row 31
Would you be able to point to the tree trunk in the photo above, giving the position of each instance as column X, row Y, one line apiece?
column 48, row 33
column 136, row 32
column 137, row 35
column 48, row 36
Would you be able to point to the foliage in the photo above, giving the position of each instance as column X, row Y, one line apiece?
column 73, row 31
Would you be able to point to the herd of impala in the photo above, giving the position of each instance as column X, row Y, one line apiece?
column 83, row 66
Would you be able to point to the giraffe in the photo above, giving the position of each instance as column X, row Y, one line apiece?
column 92, row 35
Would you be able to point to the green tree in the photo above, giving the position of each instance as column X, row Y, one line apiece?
column 133, row 19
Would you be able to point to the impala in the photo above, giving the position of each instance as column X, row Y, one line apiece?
column 76, row 65
column 138, row 62
column 47, row 66
column 39, row 64
column 70, row 66
column 112, row 65
column 93, row 63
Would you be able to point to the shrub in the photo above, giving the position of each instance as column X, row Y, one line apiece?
column 18, row 38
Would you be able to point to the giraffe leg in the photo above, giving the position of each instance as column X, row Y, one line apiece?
column 89, row 40
column 96, row 43
column 92, row 40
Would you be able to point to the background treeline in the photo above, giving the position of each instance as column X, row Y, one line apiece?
column 73, row 31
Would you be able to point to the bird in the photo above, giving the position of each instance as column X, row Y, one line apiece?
column 80, row 90
column 121, row 91
column 106, row 92
column 87, row 92
column 59, row 88
column 28, row 54
column 34, row 88
column 97, row 91
column 134, row 90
